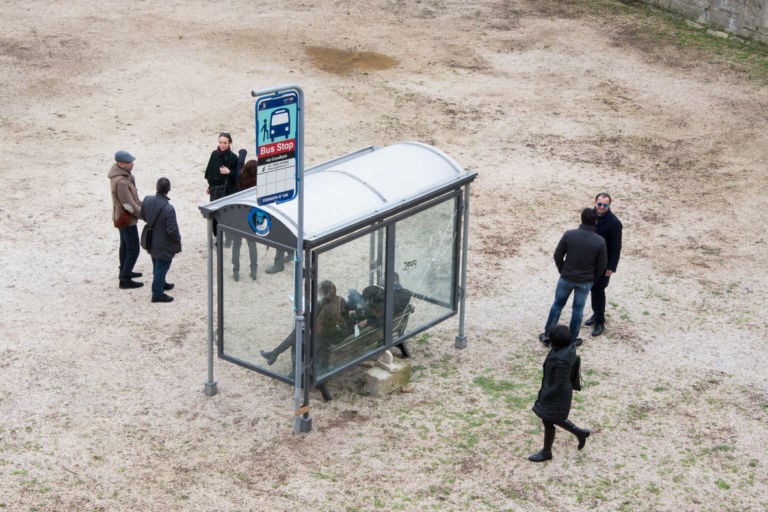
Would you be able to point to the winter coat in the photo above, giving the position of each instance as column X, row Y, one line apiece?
column 333, row 320
column 166, row 238
column 609, row 227
column 124, row 194
column 580, row 255
column 214, row 177
column 554, row 401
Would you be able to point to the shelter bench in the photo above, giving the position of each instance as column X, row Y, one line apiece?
column 368, row 339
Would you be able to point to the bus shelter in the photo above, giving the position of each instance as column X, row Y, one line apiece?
column 386, row 227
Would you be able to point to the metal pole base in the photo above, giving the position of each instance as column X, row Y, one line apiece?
column 461, row 342
column 302, row 425
column 210, row 388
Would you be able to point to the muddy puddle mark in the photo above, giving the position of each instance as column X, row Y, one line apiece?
column 334, row 60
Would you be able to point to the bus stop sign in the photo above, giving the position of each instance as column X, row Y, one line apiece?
column 277, row 140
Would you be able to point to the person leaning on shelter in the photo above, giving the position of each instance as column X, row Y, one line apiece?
column 560, row 378
column 159, row 213
column 580, row 257
column 609, row 227
column 246, row 180
column 126, row 209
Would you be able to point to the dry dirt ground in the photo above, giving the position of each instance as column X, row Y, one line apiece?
column 101, row 396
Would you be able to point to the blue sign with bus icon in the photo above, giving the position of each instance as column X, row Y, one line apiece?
column 277, row 125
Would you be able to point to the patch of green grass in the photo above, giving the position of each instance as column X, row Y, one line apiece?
column 652, row 488
column 518, row 395
column 591, row 492
column 321, row 476
column 722, row 484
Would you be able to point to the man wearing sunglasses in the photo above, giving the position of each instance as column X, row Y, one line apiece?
column 609, row 227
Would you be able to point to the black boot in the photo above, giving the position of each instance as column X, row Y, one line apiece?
column 287, row 343
column 546, row 452
column 271, row 357
column 581, row 433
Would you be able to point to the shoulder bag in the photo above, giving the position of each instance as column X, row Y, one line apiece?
column 123, row 220
column 146, row 232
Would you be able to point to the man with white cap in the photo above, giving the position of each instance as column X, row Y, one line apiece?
column 126, row 209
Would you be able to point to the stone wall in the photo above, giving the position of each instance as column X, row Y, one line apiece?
column 744, row 18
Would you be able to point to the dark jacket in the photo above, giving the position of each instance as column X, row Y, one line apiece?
column 333, row 322
column 554, row 401
column 166, row 238
column 609, row 227
column 214, row 177
column 580, row 255
column 402, row 297
column 373, row 313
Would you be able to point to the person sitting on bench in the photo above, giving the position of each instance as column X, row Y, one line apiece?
column 332, row 322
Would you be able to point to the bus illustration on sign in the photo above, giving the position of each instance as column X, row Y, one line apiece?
column 279, row 124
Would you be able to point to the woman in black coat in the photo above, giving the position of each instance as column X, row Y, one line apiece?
column 561, row 377
column 221, row 171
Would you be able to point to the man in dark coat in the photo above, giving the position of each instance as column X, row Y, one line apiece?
column 609, row 227
column 581, row 259
column 561, row 377
column 159, row 214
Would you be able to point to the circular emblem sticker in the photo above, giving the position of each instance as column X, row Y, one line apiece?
column 259, row 221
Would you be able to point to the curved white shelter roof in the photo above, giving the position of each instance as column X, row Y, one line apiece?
column 360, row 185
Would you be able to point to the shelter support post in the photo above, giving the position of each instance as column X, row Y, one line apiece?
column 210, row 386
column 461, row 339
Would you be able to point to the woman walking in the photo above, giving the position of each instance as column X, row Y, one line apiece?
column 561, row 377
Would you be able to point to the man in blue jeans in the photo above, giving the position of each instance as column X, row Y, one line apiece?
column 581, row 259
column 160, row 215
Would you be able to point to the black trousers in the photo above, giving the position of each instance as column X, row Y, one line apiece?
column 598, row 299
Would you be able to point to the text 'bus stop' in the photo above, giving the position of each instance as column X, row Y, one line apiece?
column 386, row 227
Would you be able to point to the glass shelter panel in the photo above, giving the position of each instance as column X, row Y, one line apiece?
column 257, row 308
column 349, row 319
column 425, row 263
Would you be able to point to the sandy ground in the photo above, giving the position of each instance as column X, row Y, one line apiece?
column 101, row 396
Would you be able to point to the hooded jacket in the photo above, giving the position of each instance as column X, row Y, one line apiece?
column 554, row 401
column 124, row 194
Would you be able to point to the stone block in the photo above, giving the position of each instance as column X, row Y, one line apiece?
column 386, row 377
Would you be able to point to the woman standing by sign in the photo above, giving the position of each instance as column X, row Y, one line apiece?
column 222, row 168
column 221, row 172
